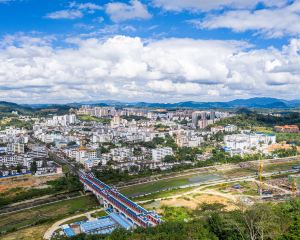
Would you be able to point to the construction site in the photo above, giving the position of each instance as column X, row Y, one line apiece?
column 253, row 182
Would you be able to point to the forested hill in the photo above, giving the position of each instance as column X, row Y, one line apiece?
column 9, row 107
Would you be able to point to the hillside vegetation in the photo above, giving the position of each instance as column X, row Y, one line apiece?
column 212, row 222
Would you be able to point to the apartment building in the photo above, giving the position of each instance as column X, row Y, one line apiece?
column 159, row 154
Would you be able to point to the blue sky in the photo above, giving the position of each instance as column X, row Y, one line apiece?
column 157, row 50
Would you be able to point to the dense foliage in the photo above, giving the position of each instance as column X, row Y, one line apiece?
column 87, row 118
column 251, row 118
column 134, row 117
column 15, row 122
column 211, row 222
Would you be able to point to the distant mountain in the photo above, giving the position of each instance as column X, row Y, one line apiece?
column 260, row 103
column 247, row 103
column 8, row 107
column 263, row 102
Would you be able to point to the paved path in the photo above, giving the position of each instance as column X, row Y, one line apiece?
column 48, row 234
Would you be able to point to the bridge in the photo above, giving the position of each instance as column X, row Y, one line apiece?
column 114, row 201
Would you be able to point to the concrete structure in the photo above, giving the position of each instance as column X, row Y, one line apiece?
column 240, row 143
column 63, row 120
column 230, row 128
column 159, row 154
column 114, row 201
column 16, row 147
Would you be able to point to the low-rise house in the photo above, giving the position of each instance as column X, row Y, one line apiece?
column 287, row 129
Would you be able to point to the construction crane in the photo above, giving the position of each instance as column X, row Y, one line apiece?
column 294, row 188
column 260, row 177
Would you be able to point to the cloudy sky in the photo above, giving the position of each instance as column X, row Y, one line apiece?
column 58, row 51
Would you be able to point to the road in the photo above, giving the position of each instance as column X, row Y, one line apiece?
column 39, row 205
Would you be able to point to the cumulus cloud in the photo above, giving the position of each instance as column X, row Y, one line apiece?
column 119, row 12
column 132, row 69
column 204, row 5
column 272, row 22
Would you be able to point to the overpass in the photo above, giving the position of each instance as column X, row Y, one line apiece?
column 114, row 201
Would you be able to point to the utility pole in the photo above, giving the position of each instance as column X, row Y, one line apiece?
column 294, row 187
column 260, row 177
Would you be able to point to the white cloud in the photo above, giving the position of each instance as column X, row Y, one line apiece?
column 205, row 5
column 273, row 22
column 126, row 68
column 65, row 14
column 89, row 6
column 119, row 12
column 75, row 10
column 6, row 1
column 86, row 7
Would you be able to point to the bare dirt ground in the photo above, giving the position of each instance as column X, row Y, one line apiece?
column 32, row 233
column 208, row 196
column 25, row 182
column 283, row 145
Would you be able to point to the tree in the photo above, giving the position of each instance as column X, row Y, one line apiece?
column 103, row 149
column 158, row 140
column 3, row 167
column 72, row 143
column 33, row 167
column 169, row 159
column 18, row 168
column 137, row 151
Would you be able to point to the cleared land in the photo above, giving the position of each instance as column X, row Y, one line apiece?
column 40, row 216
column 27, row 181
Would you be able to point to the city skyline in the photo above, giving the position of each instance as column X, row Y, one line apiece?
column 152, row 51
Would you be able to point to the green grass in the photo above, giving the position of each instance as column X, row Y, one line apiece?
column 48, row 213
column 263, row 129
column 281, row 137
column 98, row 214
column 176, row 214
column 153, row 187
column 281, row 166
column 79, row 219
column 238, row 172
column 163, row 185
column 88, row 118
column 164, row 194
column 289, row 137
